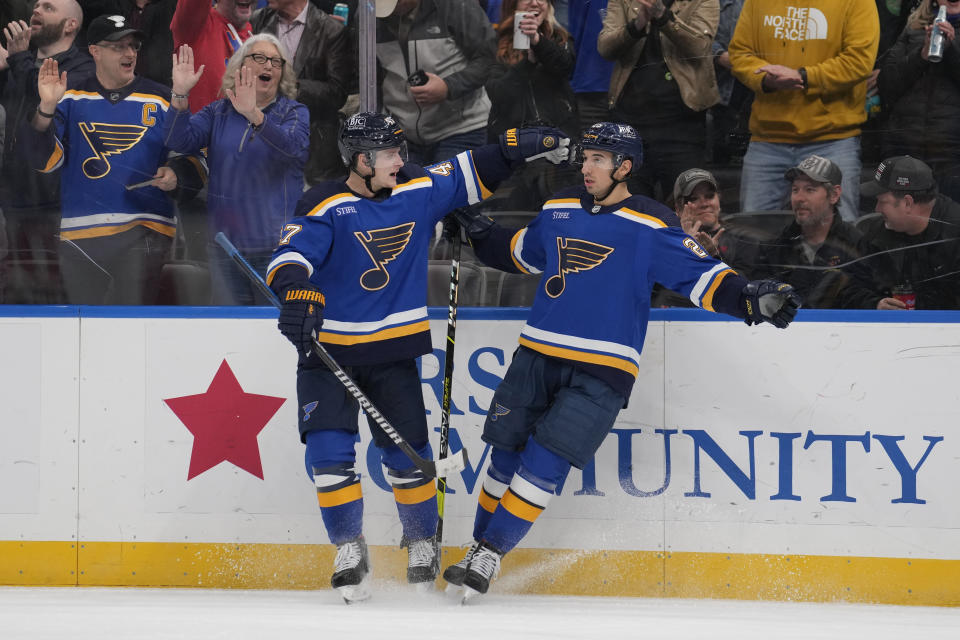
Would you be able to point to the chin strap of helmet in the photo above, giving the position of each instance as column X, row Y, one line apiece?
column 613, row 185
column 367, row 180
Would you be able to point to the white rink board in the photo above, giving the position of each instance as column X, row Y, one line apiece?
column 702, row 382
column 38, row 428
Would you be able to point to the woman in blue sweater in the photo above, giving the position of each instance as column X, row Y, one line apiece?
column 257, row 139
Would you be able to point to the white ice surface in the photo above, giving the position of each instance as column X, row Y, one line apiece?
column 72, row 613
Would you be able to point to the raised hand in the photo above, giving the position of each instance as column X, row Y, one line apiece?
column 244, row 94
column 18, row 36
column 51, row 85
column 185, row 77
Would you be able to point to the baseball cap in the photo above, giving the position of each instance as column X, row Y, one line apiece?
column 687, row 181
column 110, row 29
column 818, row 169
column 385, row 7
column 899, row 173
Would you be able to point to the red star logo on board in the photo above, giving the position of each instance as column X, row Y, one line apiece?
column 225, row 422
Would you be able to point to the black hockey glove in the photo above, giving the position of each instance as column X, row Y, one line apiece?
column 301, row 315
column 476, row 225
column 769, row 301
column 529, row 144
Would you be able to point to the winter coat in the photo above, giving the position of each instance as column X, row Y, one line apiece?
column 922, row 98
column 534, row 91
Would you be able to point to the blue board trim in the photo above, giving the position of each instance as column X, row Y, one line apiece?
column 857, row 316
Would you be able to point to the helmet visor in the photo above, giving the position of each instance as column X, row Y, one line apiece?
column 593, row 158
column 388, row 158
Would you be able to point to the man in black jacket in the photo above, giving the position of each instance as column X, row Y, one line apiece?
column 913, row 248
column 324, row 66
column 817, row 252
column 31, row 200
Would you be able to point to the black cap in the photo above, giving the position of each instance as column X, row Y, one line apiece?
column 110, row 29
column 688, row 180
column 818, row 169
column 899, row 173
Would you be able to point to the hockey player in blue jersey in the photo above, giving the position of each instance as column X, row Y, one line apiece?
column 600, row 250
column 351, row 269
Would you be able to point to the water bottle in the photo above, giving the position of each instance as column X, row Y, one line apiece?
column 935, row 52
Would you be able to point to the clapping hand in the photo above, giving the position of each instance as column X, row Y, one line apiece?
column 51, row 85
column 243, row 97
column 185, row 77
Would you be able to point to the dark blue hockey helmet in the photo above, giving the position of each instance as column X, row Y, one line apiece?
column 621, row 140
column 367, row 132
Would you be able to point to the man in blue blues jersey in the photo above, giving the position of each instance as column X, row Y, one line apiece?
column 598, row 248
column 357, row 253
column 106, row 133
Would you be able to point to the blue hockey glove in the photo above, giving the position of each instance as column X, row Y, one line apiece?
column 476, row 225
column 769, row 301
column 301, row 315
column 535, row 142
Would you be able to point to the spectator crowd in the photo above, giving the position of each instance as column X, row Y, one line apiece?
column 816, row 142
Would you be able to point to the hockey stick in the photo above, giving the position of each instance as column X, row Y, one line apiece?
column 428, row 467
column 448, row 378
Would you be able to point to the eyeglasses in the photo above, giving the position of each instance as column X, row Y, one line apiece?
column 120, row 47
column 259, row 58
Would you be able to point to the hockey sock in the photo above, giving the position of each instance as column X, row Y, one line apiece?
column 330, row 457
column 503, row 464
column 415, row 494
column 530, row 491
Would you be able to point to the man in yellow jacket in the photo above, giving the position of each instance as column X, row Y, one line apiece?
column 807, row 62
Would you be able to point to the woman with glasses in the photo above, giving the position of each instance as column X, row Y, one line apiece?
column 257, row 138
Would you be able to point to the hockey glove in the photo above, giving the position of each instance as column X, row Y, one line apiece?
column 301, row 315
column 769, row 301
column 529, row 144
column 476, row 225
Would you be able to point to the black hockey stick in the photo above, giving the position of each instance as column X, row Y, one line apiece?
column 448, row 377
column 428, row 467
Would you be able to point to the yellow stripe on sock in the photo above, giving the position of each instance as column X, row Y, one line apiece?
column 519, row 507
column 414, row 496
column 340, row 496
column 488, row 502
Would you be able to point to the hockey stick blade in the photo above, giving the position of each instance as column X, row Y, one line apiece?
column 428, row 467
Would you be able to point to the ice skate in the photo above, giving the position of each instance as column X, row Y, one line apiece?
column 351, row 571
column 484, row 567
column 454, row 573
column 423, row 562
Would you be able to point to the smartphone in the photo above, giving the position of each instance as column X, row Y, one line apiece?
column 418, row 78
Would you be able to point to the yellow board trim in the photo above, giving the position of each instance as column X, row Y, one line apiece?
column 582, row 356
column 519, row 507
column 386, row 334
column 651, row 574
column 336, row 498
column 415, row 495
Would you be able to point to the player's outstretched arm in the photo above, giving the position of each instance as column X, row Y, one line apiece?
column 769, row 301
column 490, row 241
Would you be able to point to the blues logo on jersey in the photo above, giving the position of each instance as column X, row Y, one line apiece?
column 574, row 256
column 383, row 246
column 107, row 140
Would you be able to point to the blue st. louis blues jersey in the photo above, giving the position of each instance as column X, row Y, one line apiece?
column 593, row 301
column 105, row 140
column 369, row 257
